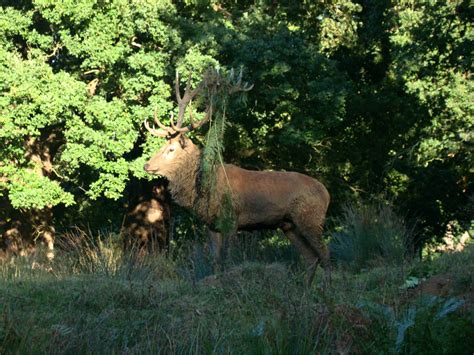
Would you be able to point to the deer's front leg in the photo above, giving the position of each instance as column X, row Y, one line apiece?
column 215, row 247
column 220, row 247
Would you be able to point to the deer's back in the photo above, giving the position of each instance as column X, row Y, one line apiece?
column 268, row 197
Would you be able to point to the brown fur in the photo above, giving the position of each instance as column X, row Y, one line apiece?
column 294, row 202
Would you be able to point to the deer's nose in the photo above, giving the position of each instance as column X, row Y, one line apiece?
column 145, row 167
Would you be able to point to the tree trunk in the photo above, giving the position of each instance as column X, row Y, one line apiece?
column 21, row 231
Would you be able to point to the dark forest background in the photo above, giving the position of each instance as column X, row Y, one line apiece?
column 373, row 98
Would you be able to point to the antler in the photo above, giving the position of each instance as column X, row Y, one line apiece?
column 211, row 79
column 183, row 103
column 237, row 85
column 163, row 132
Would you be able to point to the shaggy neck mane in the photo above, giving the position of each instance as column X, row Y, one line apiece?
column 185, row 186
column 182, row 182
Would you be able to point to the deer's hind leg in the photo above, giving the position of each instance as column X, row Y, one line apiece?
column 306, row 251
column 309, row 221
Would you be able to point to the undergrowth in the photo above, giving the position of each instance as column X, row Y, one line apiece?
column 93, row 298
column 370, row 234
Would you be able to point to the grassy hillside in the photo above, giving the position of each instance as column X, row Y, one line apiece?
column 97, row 300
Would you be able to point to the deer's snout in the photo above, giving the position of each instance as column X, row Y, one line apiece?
column 145, row 167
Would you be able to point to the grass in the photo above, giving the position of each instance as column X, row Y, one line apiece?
column 370, row 234
column 95, row 299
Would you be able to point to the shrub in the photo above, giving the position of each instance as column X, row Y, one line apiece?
column 370, row 234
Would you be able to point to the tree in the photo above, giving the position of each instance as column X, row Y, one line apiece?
column 373, row 96
column 77, row 81
column 432, row 49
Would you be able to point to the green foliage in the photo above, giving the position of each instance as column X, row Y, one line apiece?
column 370, row 234
column 77, row 80
column 423, row 326
column 432, row 46
column 368, row 96
column 31, row 109
column 453, row 265
column 226, row 222
column 31, row 191
column 217, row 94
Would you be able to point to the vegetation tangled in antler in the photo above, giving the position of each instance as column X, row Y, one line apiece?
column 215, row 90
column 218, row 88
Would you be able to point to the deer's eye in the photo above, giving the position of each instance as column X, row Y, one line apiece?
column 171, row 150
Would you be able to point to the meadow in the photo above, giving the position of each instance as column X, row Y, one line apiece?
column 94, row 298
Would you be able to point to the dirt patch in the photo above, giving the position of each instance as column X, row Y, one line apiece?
column 439, row 285
column 444, row 285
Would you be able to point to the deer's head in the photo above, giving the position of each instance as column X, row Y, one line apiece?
column 178, row 146
column 171, row 155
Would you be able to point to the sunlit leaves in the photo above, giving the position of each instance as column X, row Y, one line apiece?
column 27, row 189
column 60, row 85
column 431, row 43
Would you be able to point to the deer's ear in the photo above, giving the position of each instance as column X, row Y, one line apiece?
column 183, row 141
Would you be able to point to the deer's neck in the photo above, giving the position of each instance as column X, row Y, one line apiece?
column 185, row 188
column 182, row 184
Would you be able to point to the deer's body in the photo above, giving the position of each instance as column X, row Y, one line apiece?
column 270, row 198
column 294, row 202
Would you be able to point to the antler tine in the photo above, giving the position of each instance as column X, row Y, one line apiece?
column 247, row 87
column 205, row 119
column 239, row 78
column 173, row 126
column 191, row 118
column 161, row 125
column 176, row 88
column 163, row 132
column 194, row 125
column 237, row 85
column 153, row 131
column 184, row 100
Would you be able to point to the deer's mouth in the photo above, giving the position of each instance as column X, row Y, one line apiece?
column 147, row 169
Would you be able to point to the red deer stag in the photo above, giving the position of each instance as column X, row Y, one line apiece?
column 294, row 202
